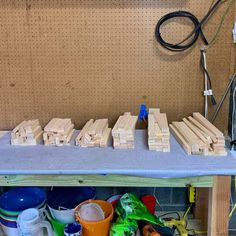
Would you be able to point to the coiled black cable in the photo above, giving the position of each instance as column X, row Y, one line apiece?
column 191, row 39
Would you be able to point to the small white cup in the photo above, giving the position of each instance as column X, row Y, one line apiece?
column 31, row 223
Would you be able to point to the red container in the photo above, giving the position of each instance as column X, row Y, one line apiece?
column 150, row 202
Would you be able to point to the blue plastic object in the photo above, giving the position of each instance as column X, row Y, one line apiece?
column 69, row 197
column 11, row 224
column 73, row 228
column 143, row 113
column 21, row 198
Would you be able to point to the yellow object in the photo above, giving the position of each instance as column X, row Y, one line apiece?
column 101, row 227
column 191, row 194
column 181, row 224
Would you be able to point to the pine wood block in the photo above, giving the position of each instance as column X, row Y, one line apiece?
column 181, row 139
column 103, row 124
column 48, row 127
column 58, row 132
column 105, row 137
column 161, row 119
column 188, row 136
column 196, row 131
column 94, row 134
column 84, row 130
column 201, row 119
column 219, row 206
column 203, row 128
column 18, row 126
column 27, row 133
column 158, row 138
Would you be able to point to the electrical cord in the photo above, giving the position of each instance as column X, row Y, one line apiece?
column 170, row 213
column 191, row 39
column 213, row 100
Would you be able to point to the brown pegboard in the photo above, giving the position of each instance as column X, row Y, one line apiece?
column 98, row 58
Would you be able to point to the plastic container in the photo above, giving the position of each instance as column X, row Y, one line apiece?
column 150, row 202
column 57, row 226
column 100, row 228
column 63, row 200
column 65, row 216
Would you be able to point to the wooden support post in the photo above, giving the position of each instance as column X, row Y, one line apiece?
column 219, row 205
column 201, row 206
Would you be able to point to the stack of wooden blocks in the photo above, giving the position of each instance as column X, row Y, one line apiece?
column 158, row 131
column 198, row 136
column 27, row 133
column 58, row 132
column 124, row 131
column 94, row 134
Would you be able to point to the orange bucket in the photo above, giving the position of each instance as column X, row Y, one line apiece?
column 99, row 228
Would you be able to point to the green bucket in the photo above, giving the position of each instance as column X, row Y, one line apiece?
column 57, row 226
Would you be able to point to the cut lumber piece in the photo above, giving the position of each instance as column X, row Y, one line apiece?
column 201, row 119
column 196, row 131
column 154, row 111
column 58, row 132
column 185, row 132
column 158, row 131
column 124, row 131
column 184, row 143
column 105, row 137
column 94, row 134
column 102, row 124
column 202, row 137
column 161, row 119
column 203, row 128
column 49, row 126
column 84, row 130
column 18, row 126
column 27, row 133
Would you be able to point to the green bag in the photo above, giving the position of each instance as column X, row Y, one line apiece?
column 130, row 210
column 124, row 227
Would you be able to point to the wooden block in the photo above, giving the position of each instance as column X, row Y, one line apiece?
column 48, row 127
column 105, row 137
column 203, row 128
column 18, row 126
column 196, row 131
column 219, row 206
column 103, row 124
column 161, row 119
column 84, row 130
column 31, row 126
column 151, row 127
column 123, row 121
column 154, row 111
column 201, row 119
column 184, row 143
column 57, row 122
column 69, row 137
column 133, row 122
column 27, row 133
column 64, row 125
column 188, row 135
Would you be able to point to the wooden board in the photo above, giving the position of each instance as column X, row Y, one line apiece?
column 90, row 58
column 102, row 180
column 219, row 206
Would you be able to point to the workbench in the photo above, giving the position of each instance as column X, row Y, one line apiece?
column 74, row 166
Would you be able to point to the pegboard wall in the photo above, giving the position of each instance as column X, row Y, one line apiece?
column 99, row 58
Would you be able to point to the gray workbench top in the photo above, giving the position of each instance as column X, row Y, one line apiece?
column 140, row 161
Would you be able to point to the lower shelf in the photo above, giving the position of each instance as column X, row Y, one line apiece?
column 102, row 180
